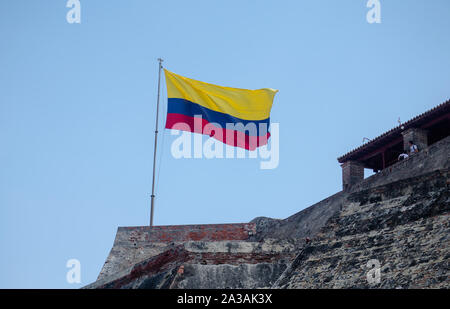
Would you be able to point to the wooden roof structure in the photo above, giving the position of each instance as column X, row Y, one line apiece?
column 390, row 143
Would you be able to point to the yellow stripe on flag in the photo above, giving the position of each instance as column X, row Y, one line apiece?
column 240, row 103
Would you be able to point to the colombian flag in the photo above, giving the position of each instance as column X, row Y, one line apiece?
column 236, row 117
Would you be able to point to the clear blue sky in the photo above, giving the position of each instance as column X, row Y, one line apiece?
column 77, row 112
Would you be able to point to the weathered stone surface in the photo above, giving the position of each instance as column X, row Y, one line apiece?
column 404, row 225
column 225, row 276
column 399, row 217
column 134, row 244
column 163, row 270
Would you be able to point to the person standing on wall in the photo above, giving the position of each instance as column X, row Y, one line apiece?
column 413, row 148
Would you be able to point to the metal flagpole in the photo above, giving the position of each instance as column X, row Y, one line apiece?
column 156, row 143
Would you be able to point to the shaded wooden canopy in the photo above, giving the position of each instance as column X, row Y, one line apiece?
column 383, row 150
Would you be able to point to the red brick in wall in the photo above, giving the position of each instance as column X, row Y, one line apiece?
column 174, row 233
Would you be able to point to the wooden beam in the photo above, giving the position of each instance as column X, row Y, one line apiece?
column 434, row 121
column 379, row 150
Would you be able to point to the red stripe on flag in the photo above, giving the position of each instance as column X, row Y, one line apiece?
column 230, row 137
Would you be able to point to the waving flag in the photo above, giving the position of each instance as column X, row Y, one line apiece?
column 236, row 117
